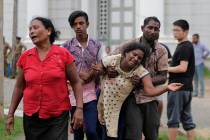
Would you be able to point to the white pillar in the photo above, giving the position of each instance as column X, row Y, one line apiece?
column 92, row 13
column 84, row 5
column 90, row 7
column 35, row 8
column 146, row 8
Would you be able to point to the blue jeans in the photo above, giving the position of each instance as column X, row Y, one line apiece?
column 199, row 77
column 90, row 122
column 179, row 110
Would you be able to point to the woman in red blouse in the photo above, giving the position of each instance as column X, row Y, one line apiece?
column 41, row 81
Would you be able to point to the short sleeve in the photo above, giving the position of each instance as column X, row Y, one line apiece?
column 185, row 53
column 99, row 54
column 163, row 60
column 110, row 60
column 205, row 49
column 141, row 71
column 65, row 45
column 21, row 61
column 68, row 57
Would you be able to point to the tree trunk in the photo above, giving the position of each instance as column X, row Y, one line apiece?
column 1, row 62
column 14, row 34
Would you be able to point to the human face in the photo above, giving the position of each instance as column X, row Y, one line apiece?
column 195, row 39
column 107, row 50
column 179, row 33
column 133, row 58
column 151, row 31
column 38, row 33
column 80, row 26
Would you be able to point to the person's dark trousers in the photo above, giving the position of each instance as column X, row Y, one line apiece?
column 55, row 128
column 99, row 127
column 90, row 122
column 179, row 110
column 105, row 137
column 199, row 78
column 141, row 118
column 121, row 125
column 6, row 69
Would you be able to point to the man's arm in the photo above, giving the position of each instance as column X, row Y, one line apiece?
column 160, row 78
column 181, row 68
column 206, row 52
column 92, row 74
column 185, row 53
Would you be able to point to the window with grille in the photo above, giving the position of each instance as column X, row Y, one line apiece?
column 103, row 16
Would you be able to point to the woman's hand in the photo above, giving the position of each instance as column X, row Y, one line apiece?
column 97, row 67
column 9, row 124
column 174, row 86
column 111, row 72
column 77, row 120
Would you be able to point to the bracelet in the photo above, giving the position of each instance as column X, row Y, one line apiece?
column 81, row 108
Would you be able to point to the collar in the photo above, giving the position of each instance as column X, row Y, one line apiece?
column 33, row 51
column 78, row 43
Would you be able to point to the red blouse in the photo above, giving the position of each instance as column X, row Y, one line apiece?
column 46, row 87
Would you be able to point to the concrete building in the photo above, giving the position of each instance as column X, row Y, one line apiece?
column 112, row 21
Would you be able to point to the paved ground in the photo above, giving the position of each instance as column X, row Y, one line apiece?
column 200, row 106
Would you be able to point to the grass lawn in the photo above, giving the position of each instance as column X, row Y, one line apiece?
column 207, row 73
column 164, row 136
column 18, row 129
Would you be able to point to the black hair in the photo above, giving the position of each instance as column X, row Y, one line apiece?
column 18, row 38
column 48, row 25
column 183, row 24
column 136, row 46
column 75, row 15
column 148, row 19
column 197, row 35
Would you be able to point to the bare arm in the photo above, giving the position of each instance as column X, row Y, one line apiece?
column 181, row 68
column 159, row 79
column 155, row 91
column 206, row 52
column 162, row 64
column 16, row 98
column 150, row 89
column 76, row 85
column 17, row 92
